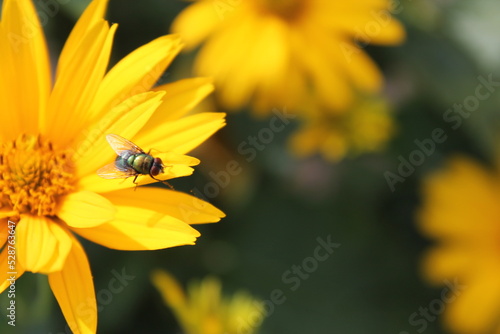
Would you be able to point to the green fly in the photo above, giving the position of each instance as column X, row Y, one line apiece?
column 131, row 161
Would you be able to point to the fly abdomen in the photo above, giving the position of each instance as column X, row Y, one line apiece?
column 141, row 162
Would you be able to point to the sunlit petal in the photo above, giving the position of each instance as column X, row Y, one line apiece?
column 136, row 73
column 25, row 69
column 183, row 135
column 180, row 97
column 42, row 244
column 86, row 209
column 187, row 208
column 126, row 119
column 76, row 86
column 73, row 288
column 136, row 228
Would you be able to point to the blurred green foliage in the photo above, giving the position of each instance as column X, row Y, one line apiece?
column 278, row 206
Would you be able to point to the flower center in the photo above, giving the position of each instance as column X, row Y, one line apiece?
column 289, row 10
column 33, row 175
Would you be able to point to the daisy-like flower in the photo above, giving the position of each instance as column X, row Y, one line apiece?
column 461, row 213
column 52, row 141
column 282, row 52
column 204, row 310
column 364, row 128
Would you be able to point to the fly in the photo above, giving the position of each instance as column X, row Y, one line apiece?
column 131, row 161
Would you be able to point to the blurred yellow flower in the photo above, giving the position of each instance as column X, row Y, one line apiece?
column 278, row 53
column 52, row 141
column 364, row 128
column 461, row 212
column 203, row 309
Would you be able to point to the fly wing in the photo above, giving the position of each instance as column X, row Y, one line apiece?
column 121, row 145
column 112, row 171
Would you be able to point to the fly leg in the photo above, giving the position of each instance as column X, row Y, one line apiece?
column 136, row 184
column 162, row 181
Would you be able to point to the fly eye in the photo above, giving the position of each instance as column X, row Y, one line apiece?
column 155, row 170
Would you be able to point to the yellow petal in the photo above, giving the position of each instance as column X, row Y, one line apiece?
column 4, row 230
column 187, row 208
column 326, row 75
column 136, row 73
column 7, row 213
column 448, row 213
column 25, row 68
column 264, row 34
column 393, row 34
column 170, row 289
column 141, row 229
column 174, row 171
column 206, row 18
column 92, row 151
column 180, row 97
column 361, row 69
column 183, row 135
column 216, row 58
column 42, row 244
column 86, row 209
column 369, row 22
column 77, row 84
column 288, row 89
column 440, row 263
column 74, row 290
column 10, row 268
column 476, row 303
column 93, row 15
column 95, row 183
column 10, row 126
column 172, row 159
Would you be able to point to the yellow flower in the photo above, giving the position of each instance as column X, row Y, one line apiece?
column 461, row 212
column 203, row 310
column 281, row 52
column 52, row 141
column 364, row 128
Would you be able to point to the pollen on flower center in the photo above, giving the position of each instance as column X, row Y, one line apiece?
column 288, row 10
column 33, row 175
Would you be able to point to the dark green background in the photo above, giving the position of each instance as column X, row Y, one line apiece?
column 278, row 205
